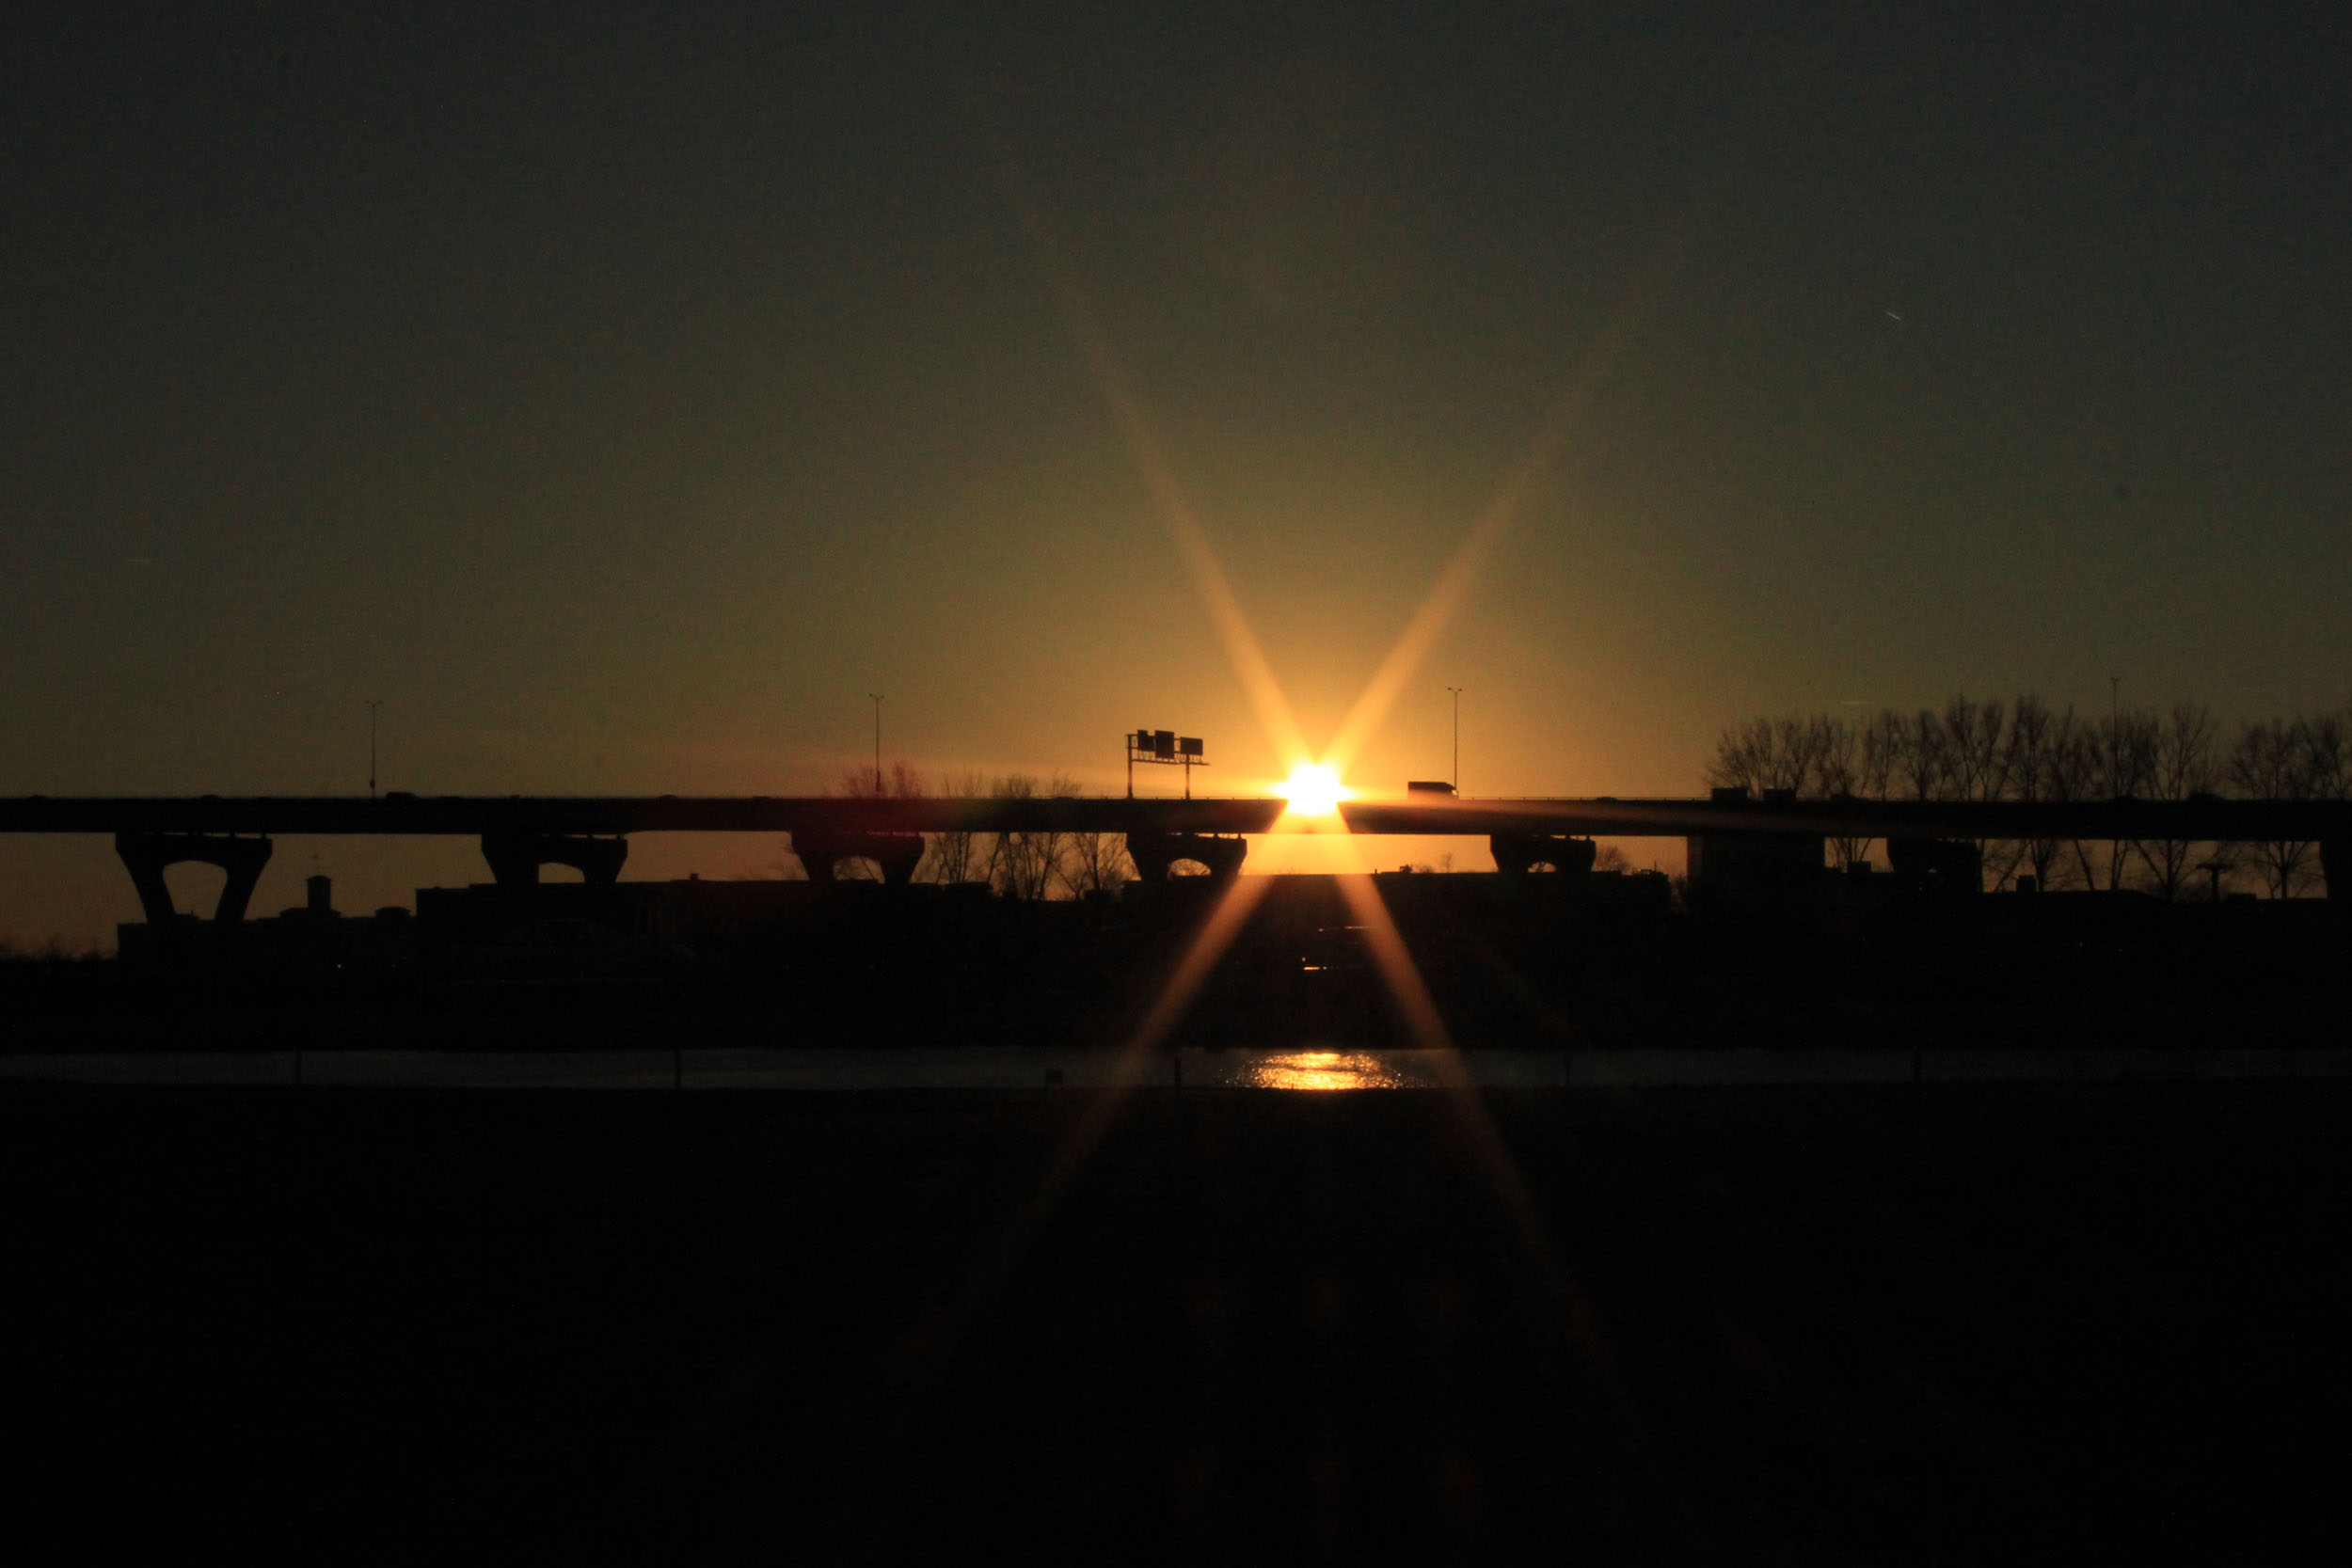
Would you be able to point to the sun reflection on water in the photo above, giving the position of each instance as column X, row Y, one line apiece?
column 1325, row 1070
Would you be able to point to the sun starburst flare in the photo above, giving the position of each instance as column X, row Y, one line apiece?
column 1313, row 789
column 1315, row 793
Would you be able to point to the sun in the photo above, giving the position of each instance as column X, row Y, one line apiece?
column 1313, row 789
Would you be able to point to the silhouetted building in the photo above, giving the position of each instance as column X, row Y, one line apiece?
column 1750, row 869
column 311, row 937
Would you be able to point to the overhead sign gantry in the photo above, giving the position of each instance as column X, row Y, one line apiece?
column 1163, row 746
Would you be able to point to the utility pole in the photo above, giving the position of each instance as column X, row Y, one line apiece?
column 374, row 703
column 1458, row 738
column 877, row 696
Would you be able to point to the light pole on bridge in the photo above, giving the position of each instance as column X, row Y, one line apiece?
column 374, row 703
column 1458, row 738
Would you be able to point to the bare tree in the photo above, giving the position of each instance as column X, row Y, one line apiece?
column 2274, row 760
column 2037, row 739
column 1883, row 751
column 1837, row 762
column 2132, row 753
column 1743, row 757
column 905, row 781
column 2182, row 761
column 1798, row 749
column 1032, row 866
column 1856, row 760
column 2327, row 756
column 1919, row 754
column 1976, row 752
column 1979, row 757
column 2126, row 753
column 959, row 855
column 1771, row 753
column 1008, row 853
column 2075, row 770
column 1843, row 760
column 1733, row 767
column 1097, row 863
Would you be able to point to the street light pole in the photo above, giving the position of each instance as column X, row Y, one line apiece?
column 1458, row 738
column 374, row 703
column 877, row 696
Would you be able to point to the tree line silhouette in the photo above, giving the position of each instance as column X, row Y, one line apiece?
column 1022, row 865
column 2029, row 749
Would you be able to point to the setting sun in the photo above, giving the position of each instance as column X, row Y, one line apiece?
column 1313, row 789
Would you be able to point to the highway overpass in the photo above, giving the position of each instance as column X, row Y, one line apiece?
column 522, row 833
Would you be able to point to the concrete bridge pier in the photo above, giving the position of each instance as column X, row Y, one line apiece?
column 898, row 854
column 1517, row 853
column 146, row 856
column 516, row 857
column 1154, row 853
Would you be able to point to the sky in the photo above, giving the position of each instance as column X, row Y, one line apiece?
column 622, row 394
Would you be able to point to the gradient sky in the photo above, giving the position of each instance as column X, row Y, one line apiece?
column 621, row 393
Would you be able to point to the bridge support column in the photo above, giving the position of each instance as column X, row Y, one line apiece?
column 1516, row 853
column 1155, row 853
column 898, row 854
column 146, row 856
column 516, row 857
column 2335, row 864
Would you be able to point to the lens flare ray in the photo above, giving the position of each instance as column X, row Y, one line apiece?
column 1535, row 461
column 1175, row 513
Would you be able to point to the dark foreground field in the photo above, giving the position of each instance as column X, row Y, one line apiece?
column 1867, row 1324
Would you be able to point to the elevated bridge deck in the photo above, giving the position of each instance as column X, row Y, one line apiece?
column 2197, row 820
column 519, row 834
